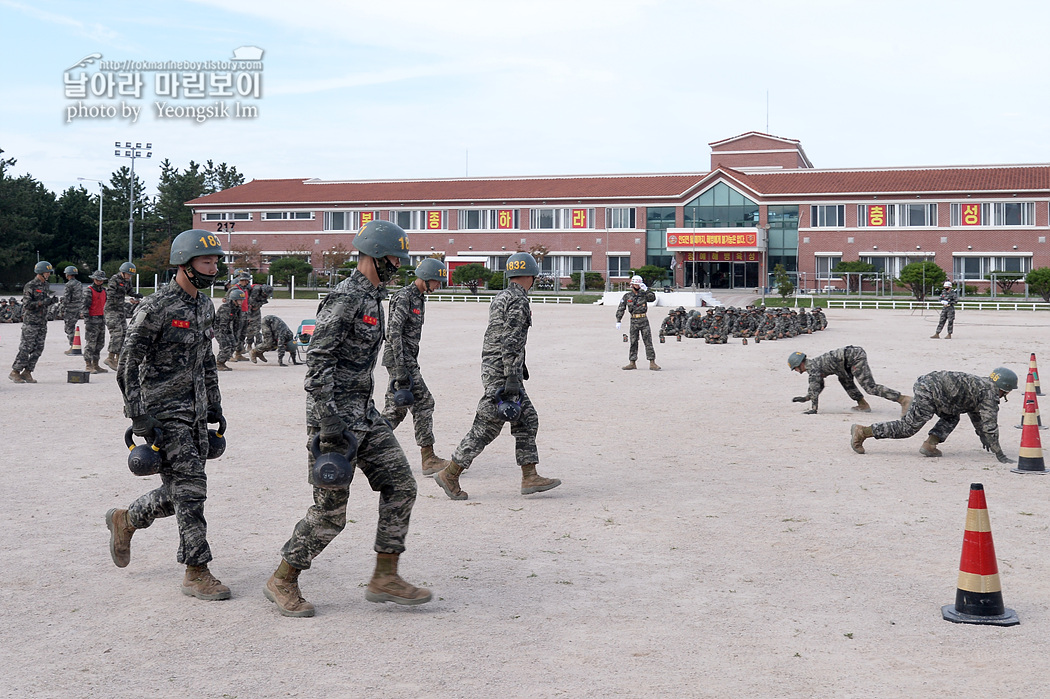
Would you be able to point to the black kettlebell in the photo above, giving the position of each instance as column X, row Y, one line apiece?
column 332, row 469
column 144, row 459
column 216, row 440
column 403, row 397
column 509, row 410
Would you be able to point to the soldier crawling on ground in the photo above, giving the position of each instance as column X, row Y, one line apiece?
column 846, row 363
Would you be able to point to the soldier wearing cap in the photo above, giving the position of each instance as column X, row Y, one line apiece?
column 36, row 299
column 636, row 303
column 94, row 312
column 170, row 386
column 72, row 297
column 120, row 287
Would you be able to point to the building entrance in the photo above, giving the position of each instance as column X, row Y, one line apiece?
column 720, row 275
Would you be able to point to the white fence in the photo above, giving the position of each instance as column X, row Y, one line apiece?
column 936, row 305
column 486, row 298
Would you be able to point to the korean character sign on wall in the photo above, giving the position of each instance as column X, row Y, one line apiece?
column 876, row 215
column 433, row 220
column 505, row 218
column 971, row 215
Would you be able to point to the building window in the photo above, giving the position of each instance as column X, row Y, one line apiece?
column 903, row 215
column 826, row 263
column 619, row 265
column 347, row 220
column 993, row 214
column 620, row 218
column 824, row 216
column 561, row 218
column 227, row 216
column 488, row 219
column 423, row 220
column 721, row 206
column 981, row 268
column 891, row 265
column 287, row 215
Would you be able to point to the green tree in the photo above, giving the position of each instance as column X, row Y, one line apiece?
column 1039, row 282
column 855, row 266
column 650, row 274
column 28, row 216
column 593, row 280
column 921, row 277
column 220, row 177
column 76, row 228
column 471, row 276
column 174, row 190
column 284, row 268
column 783, row 281
column 1006, row 280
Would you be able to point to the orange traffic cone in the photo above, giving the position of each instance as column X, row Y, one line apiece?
column 1029, row 395
column 76, row 343
column 1033, row 370
column 978, row 598
column 1030, row 456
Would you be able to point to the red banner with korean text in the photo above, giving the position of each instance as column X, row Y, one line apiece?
column 970, row 215
column 720, row 240
column 367, row 216
column 579, row 218
column 433, row 220
column 737, row 256
column 876, row 214
column 505, row 218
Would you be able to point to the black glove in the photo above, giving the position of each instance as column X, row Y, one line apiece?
column 800, row 399
column 512, row 388
column 214, row 413
column 524, row 372
column 332, row 428
column 1003, row 458
column 811, row 411
column 401, row 377
column 143, row 425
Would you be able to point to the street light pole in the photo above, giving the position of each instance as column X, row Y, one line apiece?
column 132, row 152
column 88, row 179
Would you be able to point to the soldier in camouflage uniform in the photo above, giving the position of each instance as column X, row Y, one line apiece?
column 93, row 309
column 717, row 331
column 401, row 359
column 846, row 363
column 948, row 300
column 72, row 299
column 258, row 296
column 36, row 299
column 227, row 323
column 274, row 334
column 693, row 324
column 674, row 323
column 171, row 392
column 948, row 394
column 119, row 288
column 502, row 372
column 819, row 321
column 244, row 283
column 339, row 386
column 636, row 302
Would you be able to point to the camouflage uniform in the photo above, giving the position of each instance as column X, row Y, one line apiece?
column 241, row 343
column 693, row 324
column 717, row 331
column 227, row 322
column 635, row 302
column 503, row 357
column 94, row 322
column 258, row 296
column 948, row 300
column 949, row 394
column 820, row 321
column 116, row 310
column 167, row 371
column 846, row 363
column 36, row 299
column 674, row 323
column 274, row 335
column 339, row 383
column 72, row 299
column 407, row 315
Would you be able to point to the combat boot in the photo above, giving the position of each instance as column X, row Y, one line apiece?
column 432, row 463
column 69, row 351
column 27, row 376
column 387, row 586
column 254, row 355
column 653, row 366
column 861, row 406
column 260, row 355
column 16, row 376
column 858, row 433
column 280, row 362
column 929, row 447
column 948, row 336
column 283, row 590
column 120, row 532
column 221, row 366
column 531, row 482
column 936, row 336
column 448, row 479
column 200, row 583
column 630, row 366
column 111, row 361
column 905, row 402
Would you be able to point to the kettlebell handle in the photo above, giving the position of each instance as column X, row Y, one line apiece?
column 411, row 383
column 351, row 441
column 501, row 391
column 152, row 442
column 222, row 426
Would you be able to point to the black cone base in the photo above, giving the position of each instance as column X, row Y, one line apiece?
column 1008, row 618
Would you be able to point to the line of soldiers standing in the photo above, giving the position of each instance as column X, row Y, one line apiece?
column 762, row 323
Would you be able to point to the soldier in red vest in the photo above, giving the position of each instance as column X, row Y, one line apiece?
column 94, row 312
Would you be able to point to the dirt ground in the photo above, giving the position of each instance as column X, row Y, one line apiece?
column 708, row 540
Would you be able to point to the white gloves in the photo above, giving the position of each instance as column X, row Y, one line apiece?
column 617, row 325
column 944, row 303
column 643, row 287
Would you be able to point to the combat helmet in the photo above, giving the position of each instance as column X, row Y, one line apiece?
column 522, row 264
column 795, row 359
column 235, row 294
column 432, row 269
column 189, row 244
column 129, row 267
column 1004, row 379
column 378, row 239
column 43, row 267
column 71, row 269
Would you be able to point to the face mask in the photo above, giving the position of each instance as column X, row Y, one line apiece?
column 386, row 270
column 198, row 279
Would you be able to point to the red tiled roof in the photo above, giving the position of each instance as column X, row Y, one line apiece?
column 999, row 178
column 298, row 191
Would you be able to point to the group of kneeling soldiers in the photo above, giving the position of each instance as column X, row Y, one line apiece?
column 762, row 323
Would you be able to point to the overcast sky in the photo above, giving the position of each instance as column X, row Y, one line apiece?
column 418, row 88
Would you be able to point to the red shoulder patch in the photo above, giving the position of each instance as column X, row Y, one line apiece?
column 416, row 311
column 180, row 324
column 370, row 320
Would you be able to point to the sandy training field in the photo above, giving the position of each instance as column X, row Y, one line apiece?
column 708, row 540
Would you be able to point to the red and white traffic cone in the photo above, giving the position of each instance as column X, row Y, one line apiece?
column 979, row 597
column 1029, row 395
column 1035, row 372
column 1030, row 455
column 76, row 343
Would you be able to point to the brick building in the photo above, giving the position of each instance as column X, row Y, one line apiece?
column 761, row 203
